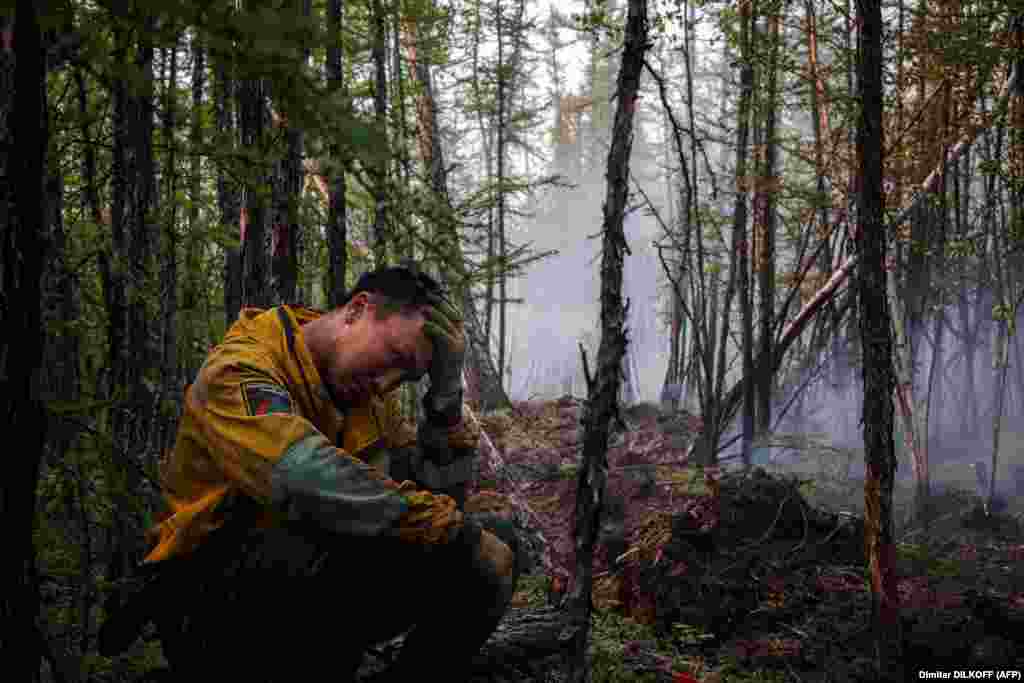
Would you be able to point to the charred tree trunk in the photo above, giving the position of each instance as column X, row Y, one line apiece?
column 169, row 270
column 379, row 237
column 125, row 275
column 766, row 243
column 252, row 110
column 500, row 152
column 337, row 207
column 91, row 196
column 70, row 310
column 62, row 383
column 228, row 200
column 285, row 237
column 603, row 389
column 191, row 291
column 876, row 340
column 23, row 144
column 739, row 232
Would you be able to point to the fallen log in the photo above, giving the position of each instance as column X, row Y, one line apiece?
column 525, row 635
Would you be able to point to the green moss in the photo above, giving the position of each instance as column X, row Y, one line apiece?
column 610, row 633
column 535, row 589
column 736, row 672
column 568, row 470
column 925, row 560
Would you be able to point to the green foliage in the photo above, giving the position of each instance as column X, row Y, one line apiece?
column 923, row 559
column 1002, row 312
column 534, row 588
column 568, row 471
column 961, row 249
column 691, row 635
column 601, row 22
column 736, row 671
column 609, row 635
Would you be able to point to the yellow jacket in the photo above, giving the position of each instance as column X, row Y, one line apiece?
column 259, row 422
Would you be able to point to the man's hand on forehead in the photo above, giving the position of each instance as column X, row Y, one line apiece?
column 444, row 324
column 444, row 327
column 442, row 304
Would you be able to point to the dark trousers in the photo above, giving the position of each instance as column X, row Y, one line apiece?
column 290, row 604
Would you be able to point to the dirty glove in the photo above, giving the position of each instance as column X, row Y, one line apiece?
column 443, row 402
column 490, row 557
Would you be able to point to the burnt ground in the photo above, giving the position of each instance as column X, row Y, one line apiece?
column 729, row 575
column 745, row 575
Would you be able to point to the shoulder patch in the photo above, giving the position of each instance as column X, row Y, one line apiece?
column 264, row 398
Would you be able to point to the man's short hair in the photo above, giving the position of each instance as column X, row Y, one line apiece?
column 402, row 288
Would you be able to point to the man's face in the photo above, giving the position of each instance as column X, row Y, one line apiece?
column 374, row 355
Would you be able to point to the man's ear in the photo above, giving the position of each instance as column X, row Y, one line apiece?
column 358, row 305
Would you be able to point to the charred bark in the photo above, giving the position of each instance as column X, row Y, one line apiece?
column 876, row 340
column 499, row 236
column 337, row 208
column 379, row 237
column 191, row 287
column 228, row 200
column 603, row 389
column 740, row 241
column 23, row 144
column 766, row 245
column 252, row 110
column 169, row 257
column 125, row 271
column 285, row 234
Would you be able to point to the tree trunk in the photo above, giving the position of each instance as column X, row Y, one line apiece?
column 62, row 383
column 337, row 207
column 228, row 200
column 999, row 365
column 500, row 153
column 670, row 389
column 142, row 232
column 22, row 412
column 933, row 404
column 603, row 390
column 766, row 243
column 486, row 126
column 252, row 109
column 70, row 310
column 192, row 291
column 169, row 271
column 91, row 203
column 739, row 228
column 379, row 237
column 483, row 382
column 968, row 395
column 125, row 276
column 876, row 340
column 285, row 237
column 690, row 366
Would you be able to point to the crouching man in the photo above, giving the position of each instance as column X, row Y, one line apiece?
column 288, row 549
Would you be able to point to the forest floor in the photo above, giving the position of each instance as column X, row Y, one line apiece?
column 758, row 575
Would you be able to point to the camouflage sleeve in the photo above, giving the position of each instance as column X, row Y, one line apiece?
column 258, row 440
